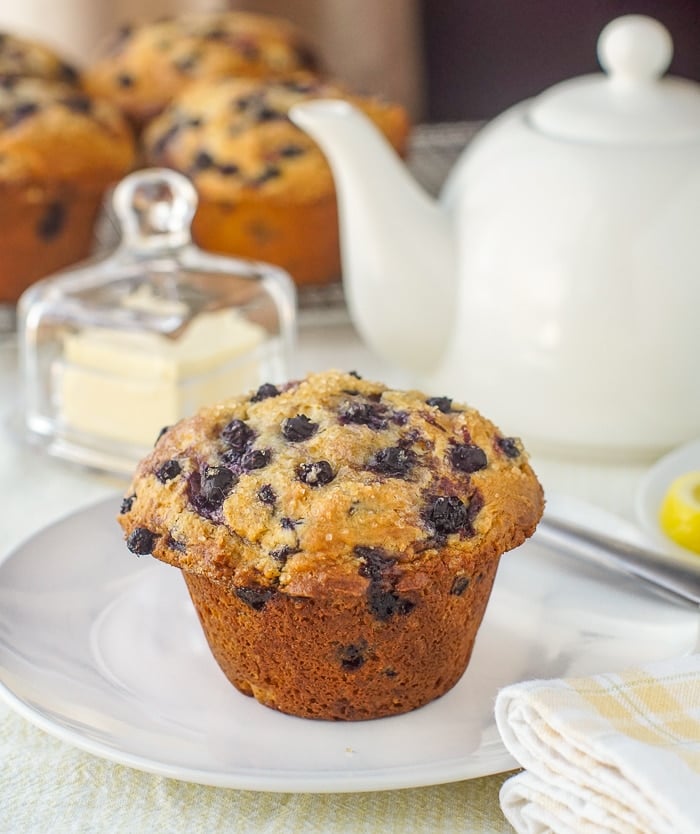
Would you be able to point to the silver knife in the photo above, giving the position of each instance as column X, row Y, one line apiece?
column 678, row 577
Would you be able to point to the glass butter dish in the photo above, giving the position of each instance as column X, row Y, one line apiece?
column 118, row 348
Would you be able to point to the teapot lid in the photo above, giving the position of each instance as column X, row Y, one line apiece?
column 631, row 103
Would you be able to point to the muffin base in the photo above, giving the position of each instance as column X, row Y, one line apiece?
column 44, row 230
column 302, row 238
column 332, row 658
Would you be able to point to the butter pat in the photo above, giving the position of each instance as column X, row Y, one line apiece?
column 127, row 385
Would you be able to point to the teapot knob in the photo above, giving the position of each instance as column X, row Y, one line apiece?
column 635, row 48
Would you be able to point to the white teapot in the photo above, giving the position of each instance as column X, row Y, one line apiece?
column 556, row 283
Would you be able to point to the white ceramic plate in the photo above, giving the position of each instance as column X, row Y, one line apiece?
column 103, row 650
column 652, row 489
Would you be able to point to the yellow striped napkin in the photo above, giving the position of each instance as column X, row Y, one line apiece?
column 616, row 753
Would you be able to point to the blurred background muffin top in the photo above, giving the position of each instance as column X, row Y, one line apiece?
column 265, row 189
column 25, row 58
column 144, row 66
column 51, row 130
column 233, row 136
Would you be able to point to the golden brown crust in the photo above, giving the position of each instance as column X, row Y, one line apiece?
column 145, row 66
column 339, row 538
column 59, row 152
column 301, row 238
column 265, row 188
column 51, row 132
column 233, row 137
column 332, row 658
column 44, row 229
column 26, row 58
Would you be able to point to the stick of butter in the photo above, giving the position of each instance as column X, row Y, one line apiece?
column 126, row 385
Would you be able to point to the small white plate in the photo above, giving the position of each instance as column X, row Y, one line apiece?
column 652, row 489
column 104, row 650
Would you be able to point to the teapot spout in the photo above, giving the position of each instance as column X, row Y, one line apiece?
column 397, row 251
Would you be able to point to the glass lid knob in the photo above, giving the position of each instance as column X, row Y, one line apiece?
column 154, row 208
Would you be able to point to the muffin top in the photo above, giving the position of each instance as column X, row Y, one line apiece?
column 233, row 137
column 308, row 488
column 22, row 58
column 145, row 65
column 51, row 131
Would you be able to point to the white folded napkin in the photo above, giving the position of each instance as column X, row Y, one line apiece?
column 616, row 752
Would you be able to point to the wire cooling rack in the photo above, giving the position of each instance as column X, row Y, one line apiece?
column 435, row 148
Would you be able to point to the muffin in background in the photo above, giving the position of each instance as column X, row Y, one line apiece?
column 25, row 58
column 59, row 152
column 145, row 65
column 265, row 189
column 339, row 539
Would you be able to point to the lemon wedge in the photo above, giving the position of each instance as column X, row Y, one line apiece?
column 680, row 511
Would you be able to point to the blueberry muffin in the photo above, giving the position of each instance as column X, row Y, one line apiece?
column 23, row 58
column 339, row 539
column 59, row 151
column 266, row 191
column 144, row 66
